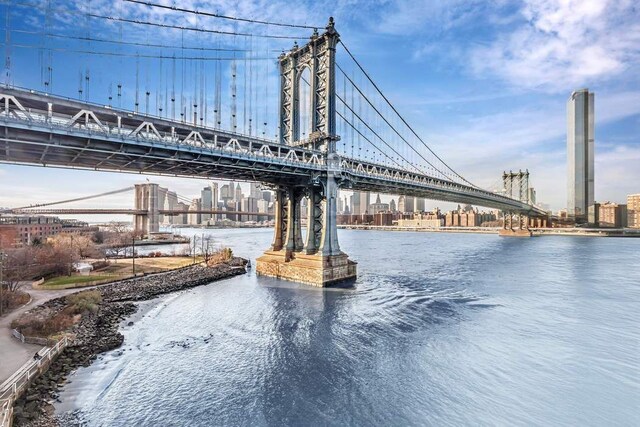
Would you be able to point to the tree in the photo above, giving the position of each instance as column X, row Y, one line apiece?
column 78, row 244
column 119, row 238
column 206, row 247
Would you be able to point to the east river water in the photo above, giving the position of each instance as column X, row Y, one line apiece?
column 440, row 329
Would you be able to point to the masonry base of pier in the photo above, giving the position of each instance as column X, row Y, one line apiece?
column 507, row 232
column 316, row 270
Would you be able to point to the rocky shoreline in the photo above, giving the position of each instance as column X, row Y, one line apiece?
column 98, row 332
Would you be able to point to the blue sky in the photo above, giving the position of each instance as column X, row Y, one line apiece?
column 484, row 83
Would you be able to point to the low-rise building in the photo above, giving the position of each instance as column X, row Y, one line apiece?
column 612, row 215
column 633, row 210
column 24, row 230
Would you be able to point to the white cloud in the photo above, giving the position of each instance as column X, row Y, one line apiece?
column 564, row 44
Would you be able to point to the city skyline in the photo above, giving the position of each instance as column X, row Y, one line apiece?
column 483, row 117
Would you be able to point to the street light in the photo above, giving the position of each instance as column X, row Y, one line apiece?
column 3, row 256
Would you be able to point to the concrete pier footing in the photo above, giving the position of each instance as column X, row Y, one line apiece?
column 515, row 233
column 315, row 270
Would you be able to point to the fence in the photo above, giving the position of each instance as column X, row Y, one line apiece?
column 32, row 340
column 14, row 386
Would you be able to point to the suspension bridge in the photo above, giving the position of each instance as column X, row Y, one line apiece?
column 334, row 127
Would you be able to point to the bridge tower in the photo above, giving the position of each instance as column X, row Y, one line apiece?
column 316, row 260
column 146, row 200
column 516, row 224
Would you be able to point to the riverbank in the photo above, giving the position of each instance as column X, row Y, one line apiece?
column 97, row 332
column 589, row 232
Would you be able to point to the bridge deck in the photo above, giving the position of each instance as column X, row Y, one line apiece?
column 53, row 131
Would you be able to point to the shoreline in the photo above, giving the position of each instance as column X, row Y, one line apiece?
column 582, row 232
column 99, row 332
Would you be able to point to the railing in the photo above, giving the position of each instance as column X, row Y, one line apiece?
column 14, row 386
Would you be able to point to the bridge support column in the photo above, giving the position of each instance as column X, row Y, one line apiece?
column 146, row 199
column 519, row 229
column 319, row 262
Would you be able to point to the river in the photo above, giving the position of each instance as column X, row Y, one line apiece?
column 439, row 329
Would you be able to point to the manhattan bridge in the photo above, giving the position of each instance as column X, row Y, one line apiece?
column 208, row 110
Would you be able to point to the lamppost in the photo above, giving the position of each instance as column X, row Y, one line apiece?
column 3, row 256
column 133, row 255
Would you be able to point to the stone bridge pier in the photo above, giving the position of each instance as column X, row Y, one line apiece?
column 515, row 225
column 146, row 199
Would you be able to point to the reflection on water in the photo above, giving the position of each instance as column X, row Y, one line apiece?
column 440, row 329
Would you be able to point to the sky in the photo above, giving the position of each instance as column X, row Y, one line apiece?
column 485, row 84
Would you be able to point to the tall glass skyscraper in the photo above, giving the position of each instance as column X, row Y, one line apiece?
column 580, row 150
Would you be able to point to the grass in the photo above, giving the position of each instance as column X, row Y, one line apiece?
column 74, row 280
column 119, row 269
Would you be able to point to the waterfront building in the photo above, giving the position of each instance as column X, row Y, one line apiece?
column 612, row 215
column 633, row 210
column 23, row 230
column 392, row 205
column 360, row 201
column 452, row 219
column 378, row 206
column 594, row 215
column 420, row 204
column 406, row 204
column 249, row 204
column 580, row 152
column 182, row 219
column 423, row 220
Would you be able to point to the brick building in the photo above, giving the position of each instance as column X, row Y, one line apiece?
column 24, row 230
column 633, row 210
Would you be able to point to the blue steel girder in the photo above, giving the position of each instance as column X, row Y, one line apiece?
column 46, row 131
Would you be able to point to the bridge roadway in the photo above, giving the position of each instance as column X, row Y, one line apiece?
column 40, row 129
column 81, row 211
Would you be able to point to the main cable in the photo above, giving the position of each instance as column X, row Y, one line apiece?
column 217, row 15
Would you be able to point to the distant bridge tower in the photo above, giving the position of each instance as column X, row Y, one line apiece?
column 516, row 224
column 318, row 260
column 146, row 199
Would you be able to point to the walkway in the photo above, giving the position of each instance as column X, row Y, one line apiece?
column 13, row 353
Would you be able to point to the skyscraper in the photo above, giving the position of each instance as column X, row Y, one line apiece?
column 206, row 203
column 238, row 195
column 580, row 150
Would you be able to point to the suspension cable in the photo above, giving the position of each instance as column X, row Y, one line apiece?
column 132, row 55
column 216, row 15
column 374, row 132
column 398, row 114
column 122, row 42
column 158, row 24
column 386, row 121
column 78, row 199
